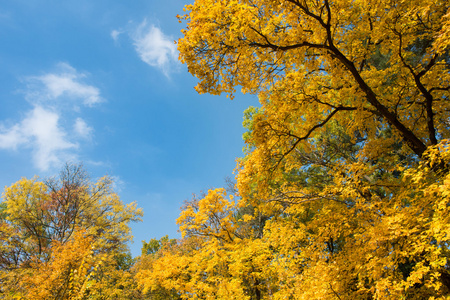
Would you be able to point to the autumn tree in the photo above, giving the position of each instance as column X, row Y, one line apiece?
column 194, row 266
column 347, row 155
column 220, row 256
column 84, row 220
column 373, row 60
column 154, row 271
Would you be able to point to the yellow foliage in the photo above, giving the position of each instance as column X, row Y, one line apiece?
column 343, row 190
column 56, row 237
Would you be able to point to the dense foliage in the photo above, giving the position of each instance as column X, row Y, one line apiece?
column 64, row 238
column 343, row 190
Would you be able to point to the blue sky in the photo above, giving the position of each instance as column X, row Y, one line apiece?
column 98, row 82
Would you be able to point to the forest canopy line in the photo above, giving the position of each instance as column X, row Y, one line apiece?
column 342, row 191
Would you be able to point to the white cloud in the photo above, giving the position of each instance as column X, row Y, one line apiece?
column 64, row 84
column 117, row 183
column 115, row 35
column 12, row 137
column 49, row 138
column 82, row 129
column 40, row 131
column 155, row 48
column 53, row 96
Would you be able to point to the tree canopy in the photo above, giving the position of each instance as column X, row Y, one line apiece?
column 368, row 64
column 56, row 236
column 342, row 192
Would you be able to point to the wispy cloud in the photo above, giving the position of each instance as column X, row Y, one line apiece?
column 41, row 130
column 66, row 83
column 82, row 129
column 11, row 138
column 118, row 183
column 115, row 35
column 155, row 48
